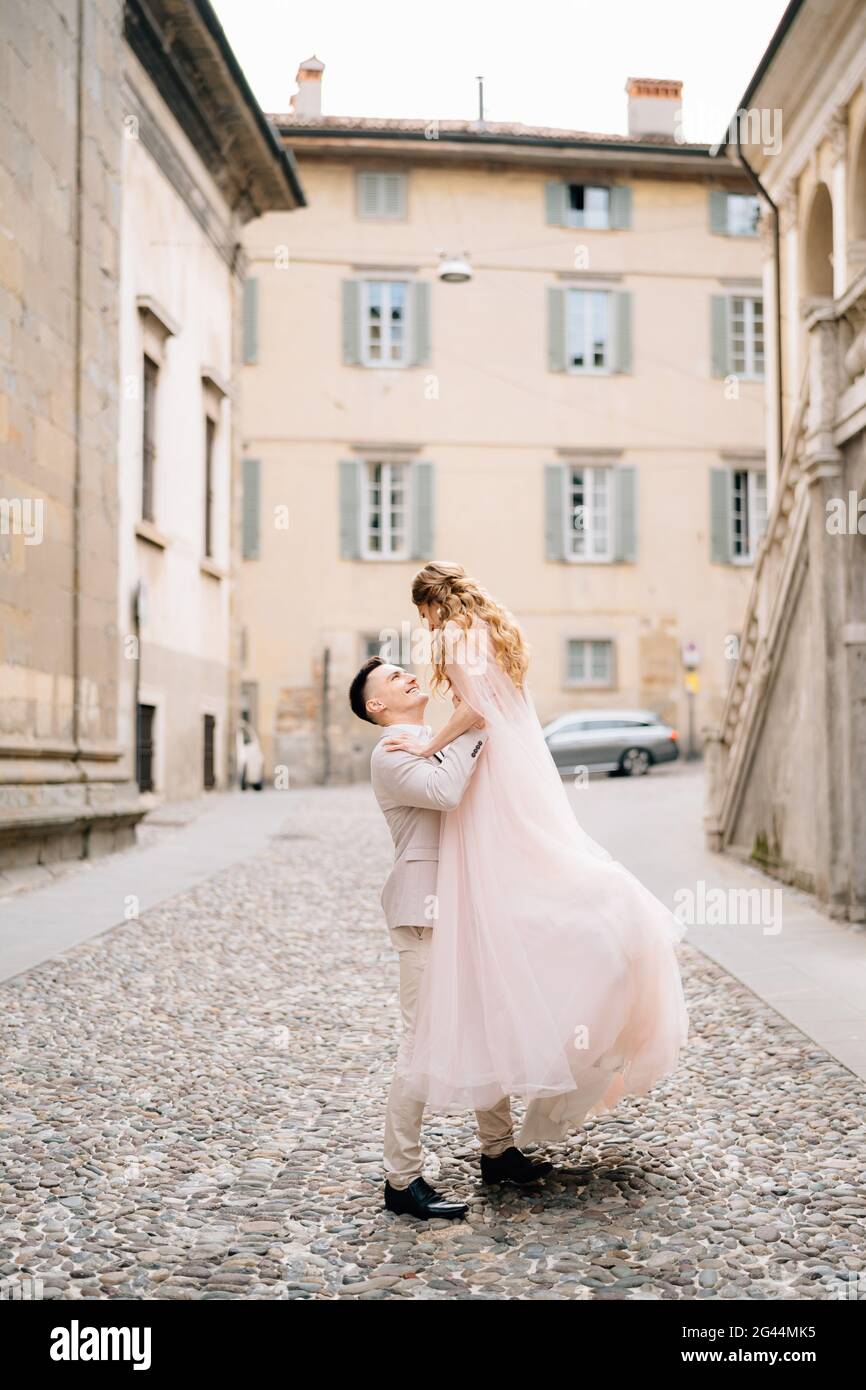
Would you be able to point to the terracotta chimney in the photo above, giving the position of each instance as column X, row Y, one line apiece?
column 654, row 106
column 307, row 100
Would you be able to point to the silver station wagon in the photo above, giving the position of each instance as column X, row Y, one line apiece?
column 627, row 741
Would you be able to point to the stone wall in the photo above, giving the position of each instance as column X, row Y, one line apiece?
column 60, row 142
column 775, row 825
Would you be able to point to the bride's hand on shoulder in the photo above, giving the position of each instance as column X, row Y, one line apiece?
column 404, row 743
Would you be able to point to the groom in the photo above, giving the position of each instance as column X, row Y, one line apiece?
column 413, row 792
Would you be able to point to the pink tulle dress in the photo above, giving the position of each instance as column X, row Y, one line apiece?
column 552, row 973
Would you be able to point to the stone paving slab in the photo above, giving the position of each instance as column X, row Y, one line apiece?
column 97, row 894
column 192, row 1108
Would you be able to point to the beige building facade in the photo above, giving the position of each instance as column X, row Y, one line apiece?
column 64, row 787
column 187, row 194
column 786, row 786
column 580, row 423
column 120, row 321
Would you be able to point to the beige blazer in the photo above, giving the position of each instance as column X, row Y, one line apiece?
column 413, row 792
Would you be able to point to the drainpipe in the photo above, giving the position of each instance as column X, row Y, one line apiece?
column 78, row 328
column 136, row 687
column 762, row 192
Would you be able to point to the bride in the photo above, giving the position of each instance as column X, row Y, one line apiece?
column 552, row 972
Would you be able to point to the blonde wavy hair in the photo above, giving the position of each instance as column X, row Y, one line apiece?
column 460, row 599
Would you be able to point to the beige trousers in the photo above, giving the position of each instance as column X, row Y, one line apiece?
column 404, row 1113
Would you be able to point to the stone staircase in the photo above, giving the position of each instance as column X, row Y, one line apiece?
column 783, row 786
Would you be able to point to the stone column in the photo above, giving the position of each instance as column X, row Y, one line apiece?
column 715, row 753
column 838, row 137
column 823, row 471
column 772, row 367
column 789, row 232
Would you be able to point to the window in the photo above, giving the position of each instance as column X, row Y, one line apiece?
column 148, row 438
column 388, row 650
column 385, row 322
column 738, row 513
column 746, row 335
column 386, row 508
column 743, row 211
column 209, row 773
column 209, row 436
column 748, row 511
column 144, row 747
column 384, row 339
column 587, row 205
column 589, row 661
column 588, row 514
column 734, row 214
column 385, row 512
column 587, row 330
column 597, row 207
column 381, row 195
column 590, row 511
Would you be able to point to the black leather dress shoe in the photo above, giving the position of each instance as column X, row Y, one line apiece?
column 513, row 1166
column 421, row 1200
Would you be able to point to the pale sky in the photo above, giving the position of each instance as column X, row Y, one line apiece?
column 549, row 62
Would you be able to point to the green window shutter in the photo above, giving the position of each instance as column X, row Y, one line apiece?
column 350, row 509
column 394, row 195
column 554, row 506
column 720, row 516
column 620, row 206
column 719, row 330
column 351, row 321
column 421, row 325
column 251, row 320
column 381, row 195
column 251, row 484
column 718, row 210
column 422, row 500
column 556, row 330
column 625, row 513
column 368, row 194
column 555, row 201
column 621, row 330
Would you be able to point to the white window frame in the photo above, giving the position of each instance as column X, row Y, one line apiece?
column 756, row 507
column 608, row 683
column 388, row 467
column 386, row 281
column 371, row 641
column 730, row 221
column 749, row 372
column 591, row 472
column 609, row 354
column 381, row 214
column 572, row 218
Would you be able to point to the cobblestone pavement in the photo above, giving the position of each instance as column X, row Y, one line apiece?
column 192, row 1108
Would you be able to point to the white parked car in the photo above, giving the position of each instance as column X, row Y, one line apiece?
column 251, row 762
